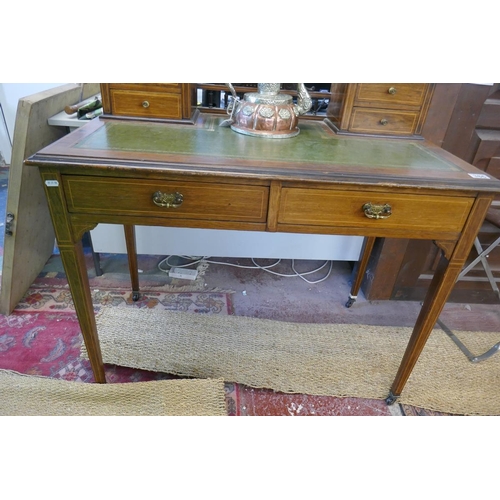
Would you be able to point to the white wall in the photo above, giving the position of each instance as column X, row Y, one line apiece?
column 109, row 238
column 10, row 93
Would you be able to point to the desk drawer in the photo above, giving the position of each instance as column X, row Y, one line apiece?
column 146, row 104
column 318, row 207
column 197, row 200
column 383, row 121
column 392, row 95
column 175, row 88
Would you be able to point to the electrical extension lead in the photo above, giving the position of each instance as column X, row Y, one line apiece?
column 186, row 274
column 197, row 260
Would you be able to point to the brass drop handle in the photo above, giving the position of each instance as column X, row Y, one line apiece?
column 145, row 104
column 384, row 121
column 392, row 90
column 168, row 200
column 373, row 211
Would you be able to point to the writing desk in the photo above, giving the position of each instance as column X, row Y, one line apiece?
column 205, row 176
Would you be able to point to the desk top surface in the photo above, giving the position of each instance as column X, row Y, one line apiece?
column 317, row 154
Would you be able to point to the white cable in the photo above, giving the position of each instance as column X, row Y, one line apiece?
column 301, row 275
column 197, row 260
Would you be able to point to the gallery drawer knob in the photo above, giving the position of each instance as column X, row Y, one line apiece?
column 168, row 200
column 145, row 104
column 384, row 121
column 373, row 211
column 392, row 90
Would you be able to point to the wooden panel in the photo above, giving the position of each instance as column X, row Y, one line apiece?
column 414, row 277
column 493, row 167
column 189, row 109
column 379, row 95
column 487, row 146
column 347, row 106
column 318, row 207
column 463, row 121
column 383, row 121
column 337, row 98
column 148, row 87
column 490, row 114
column 202, row 201
column 28, row 249
column 146, row 104
column 440, row 110
column 387, row 253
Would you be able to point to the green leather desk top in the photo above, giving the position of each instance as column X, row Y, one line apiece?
column 315, row 144
column 316, row 154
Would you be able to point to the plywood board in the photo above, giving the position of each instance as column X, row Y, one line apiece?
column 27, row 250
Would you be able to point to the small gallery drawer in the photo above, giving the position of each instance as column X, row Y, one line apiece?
column 383, row 121
column 390, row 94
column 320, row 207
column 188, row 200
column 146, row 104
column 147, row 87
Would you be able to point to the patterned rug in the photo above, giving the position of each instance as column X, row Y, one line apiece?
column 58, row 299
column 42, row 336
column 116, row 274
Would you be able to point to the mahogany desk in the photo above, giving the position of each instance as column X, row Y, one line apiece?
column 204, row 176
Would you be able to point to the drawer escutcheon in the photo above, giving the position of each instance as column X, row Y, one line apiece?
column 168, row 200
column 377, row 211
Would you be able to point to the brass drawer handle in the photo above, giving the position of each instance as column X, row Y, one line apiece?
column 145, row 104
column 377, row 211
column 384, row 121
column 392, row 90
column 168, row 200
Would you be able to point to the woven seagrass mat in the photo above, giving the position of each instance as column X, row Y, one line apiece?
column 27, row 395
column 317, row 359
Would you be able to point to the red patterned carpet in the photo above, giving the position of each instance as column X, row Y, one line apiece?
column 42, row 336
